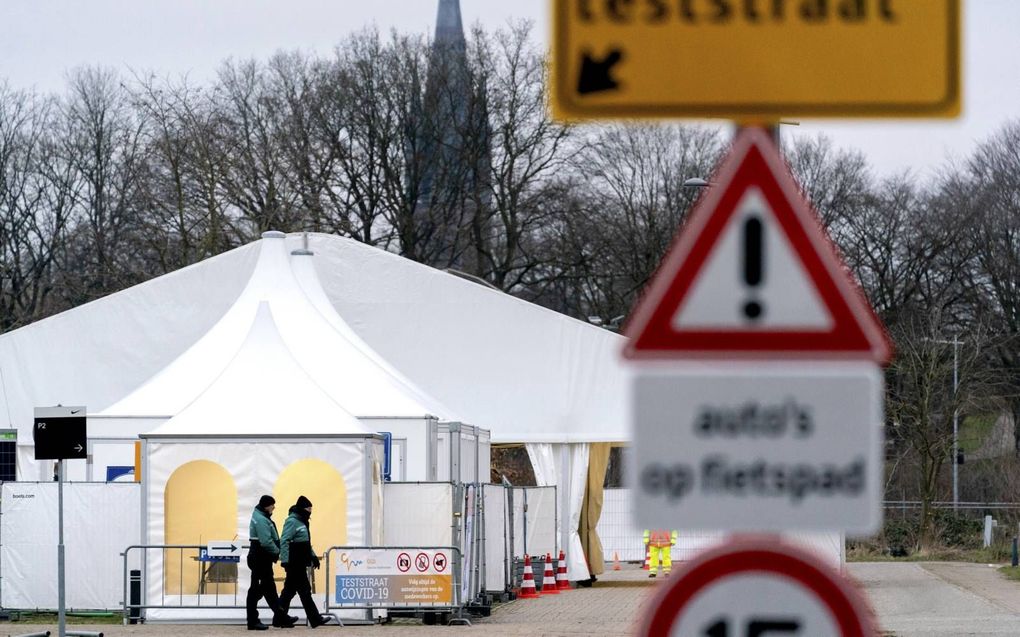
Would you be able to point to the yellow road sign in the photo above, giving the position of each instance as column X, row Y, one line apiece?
column 756, row 59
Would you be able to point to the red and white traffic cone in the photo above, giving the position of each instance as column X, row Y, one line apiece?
column 616, row 561
column 549, row 578
column 562, row 583
column 528, row 583
column 648, row 557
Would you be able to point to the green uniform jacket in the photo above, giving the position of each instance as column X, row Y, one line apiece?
column 296, row 542
column 262, row 530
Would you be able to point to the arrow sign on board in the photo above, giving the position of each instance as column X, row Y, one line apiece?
column 228, row 548
column 59, row 433
column 596, row 74
column 752, row 274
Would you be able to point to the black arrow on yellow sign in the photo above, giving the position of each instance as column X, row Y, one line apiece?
column 596, row 74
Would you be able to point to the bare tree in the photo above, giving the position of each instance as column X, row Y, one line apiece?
column 34, row 206
column 632, row 202
column 523, row 151
column 987, row 194
column 99, row 139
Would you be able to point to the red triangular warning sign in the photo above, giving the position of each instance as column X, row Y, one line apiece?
column 753, row 275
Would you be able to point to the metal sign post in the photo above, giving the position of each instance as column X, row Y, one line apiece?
column 58, row 433
column 61, row 616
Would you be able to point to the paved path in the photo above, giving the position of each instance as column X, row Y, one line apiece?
column 940, row 599
column 933, row 599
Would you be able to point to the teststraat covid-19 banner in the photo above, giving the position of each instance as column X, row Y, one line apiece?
column 394, row 577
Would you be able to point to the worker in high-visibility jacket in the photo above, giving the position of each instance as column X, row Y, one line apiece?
column 660, row 544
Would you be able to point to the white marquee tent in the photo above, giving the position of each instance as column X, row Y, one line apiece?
column 526, row 373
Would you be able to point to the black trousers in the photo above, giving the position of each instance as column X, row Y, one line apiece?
column 262, row 585
column 297, row 583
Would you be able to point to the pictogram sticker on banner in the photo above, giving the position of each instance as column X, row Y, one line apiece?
column 753, row 275
column 404, row 562
column 439, row 562
column 422, row 562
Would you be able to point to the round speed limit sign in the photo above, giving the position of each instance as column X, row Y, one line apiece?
column 758, row 588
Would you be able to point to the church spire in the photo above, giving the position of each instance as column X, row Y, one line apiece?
column 449, row 27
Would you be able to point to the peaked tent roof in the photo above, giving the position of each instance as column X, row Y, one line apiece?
column 262, row 390
column 526, row 373
column 328, row 350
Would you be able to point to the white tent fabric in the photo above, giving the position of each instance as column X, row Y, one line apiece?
column 322, row 347
column 566, row 466
column 399, row 389
column 526, row 373
column 262, row 391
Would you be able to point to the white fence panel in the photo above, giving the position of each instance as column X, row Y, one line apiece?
column 497, row 535
column 418, row 514
column 535, row 521
column 100, row 521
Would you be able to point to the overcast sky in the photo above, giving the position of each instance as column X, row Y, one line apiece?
column 41, row 39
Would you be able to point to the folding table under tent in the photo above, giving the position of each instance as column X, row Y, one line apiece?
column 262, row 426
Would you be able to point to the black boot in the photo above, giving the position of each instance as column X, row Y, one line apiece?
column 258, row 625
column 284, row 621
column 323, row 619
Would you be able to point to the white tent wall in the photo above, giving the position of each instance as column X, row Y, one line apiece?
column 254, row 465
column 566, row 467
column 100, row 521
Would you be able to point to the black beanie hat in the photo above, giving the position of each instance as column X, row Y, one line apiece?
column 303, row 502
column 266, row 500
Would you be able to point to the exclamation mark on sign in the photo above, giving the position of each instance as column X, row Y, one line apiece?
column 754, row 264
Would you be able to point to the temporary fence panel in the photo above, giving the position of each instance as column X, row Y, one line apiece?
column 100, row 519
column 470, row 580
column 624, row 541
column 496, row 521
column 534, row 521
column 418, row 514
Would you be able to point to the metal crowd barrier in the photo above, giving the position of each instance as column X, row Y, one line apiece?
column 207, row 574
column 457, row 606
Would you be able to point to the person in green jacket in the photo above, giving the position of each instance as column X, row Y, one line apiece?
column 296, row 555
column 264, row 550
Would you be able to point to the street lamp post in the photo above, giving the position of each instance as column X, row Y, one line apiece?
column 956, row 426
column 956, row 416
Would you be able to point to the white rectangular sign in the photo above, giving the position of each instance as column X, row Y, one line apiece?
column 758, row 447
